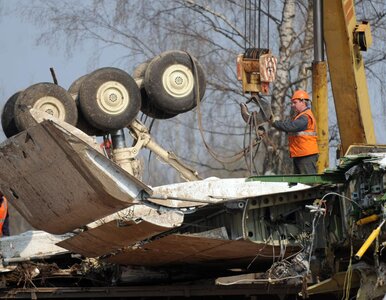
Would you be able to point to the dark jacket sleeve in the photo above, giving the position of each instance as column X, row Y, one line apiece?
column 297, row 125
column 6, row 226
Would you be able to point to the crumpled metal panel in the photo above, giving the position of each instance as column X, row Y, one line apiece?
column 123, row 229
column 215, row 190
column 31, row 245
column 59, row 182
column 187, row 249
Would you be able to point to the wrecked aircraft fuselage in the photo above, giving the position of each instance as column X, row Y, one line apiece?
column 106, row 224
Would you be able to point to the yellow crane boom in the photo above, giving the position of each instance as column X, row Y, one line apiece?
column 344, row 39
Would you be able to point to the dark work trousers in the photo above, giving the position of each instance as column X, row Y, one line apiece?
column 305, row 164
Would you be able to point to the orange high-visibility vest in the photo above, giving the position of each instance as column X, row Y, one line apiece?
column 304, row 143
column 3, row 214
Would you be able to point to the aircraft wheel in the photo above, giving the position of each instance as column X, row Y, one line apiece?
column 47, row 97
column 109, row 99
column 8, row 116
column 82, row 124
column 140, row 70
column 170, row 82
column 147, row 107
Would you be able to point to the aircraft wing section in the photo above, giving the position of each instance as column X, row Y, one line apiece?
column 179, row 249
column 215, row 190
column 122, row 229
column 59, row 181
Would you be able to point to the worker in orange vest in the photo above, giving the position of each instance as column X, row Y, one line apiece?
column 4, row 216
column 302, row 136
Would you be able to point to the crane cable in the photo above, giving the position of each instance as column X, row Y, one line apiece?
column 252, row 123
column 253, row 52
column 253, row 22
column 253, row 127
column 224, row 159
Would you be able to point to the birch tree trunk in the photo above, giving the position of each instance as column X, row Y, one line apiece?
column 278, row 149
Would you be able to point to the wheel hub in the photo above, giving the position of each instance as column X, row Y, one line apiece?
column 178, row 80
column 52, row 106
column 112, row 97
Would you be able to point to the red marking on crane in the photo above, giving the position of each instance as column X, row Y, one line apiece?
column 348, row 9
column 268, row 68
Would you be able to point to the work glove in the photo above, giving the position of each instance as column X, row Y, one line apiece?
column 273, row 119
column 261, row 131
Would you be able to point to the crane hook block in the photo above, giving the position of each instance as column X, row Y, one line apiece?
column 256, row 68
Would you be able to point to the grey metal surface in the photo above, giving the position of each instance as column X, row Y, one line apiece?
column 318, row 31
column 215, row 190
column 124, row 229
column 58, row 182
column 30, row 245
column 118, row 139
column 187, row 249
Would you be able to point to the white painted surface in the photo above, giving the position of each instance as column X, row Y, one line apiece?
column 31, row 244
column 216, row 190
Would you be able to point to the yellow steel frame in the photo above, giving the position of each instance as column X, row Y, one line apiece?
column 347, row 73
column 320, row 109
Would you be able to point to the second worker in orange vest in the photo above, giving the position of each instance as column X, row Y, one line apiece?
column 4, row 216
column 302, row 136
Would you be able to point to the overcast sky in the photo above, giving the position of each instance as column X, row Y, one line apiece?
column 24, row 63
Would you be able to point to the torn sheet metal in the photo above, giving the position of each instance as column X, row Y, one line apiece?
column 379, row 158
column 334, row 284
column 250, row 278
column 214, row 190
column 31, row 245
column 58, row 182
column 122, row 229
column 368, row 279
column 187, row 249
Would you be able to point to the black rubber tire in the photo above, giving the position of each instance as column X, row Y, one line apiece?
column 173, row 100
column 149, row 109
column 60, row 104
column 140, row 70
column 75, row 87
column 111, row 83
column 8, row 116
column 82, row 123
column 146, row 105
